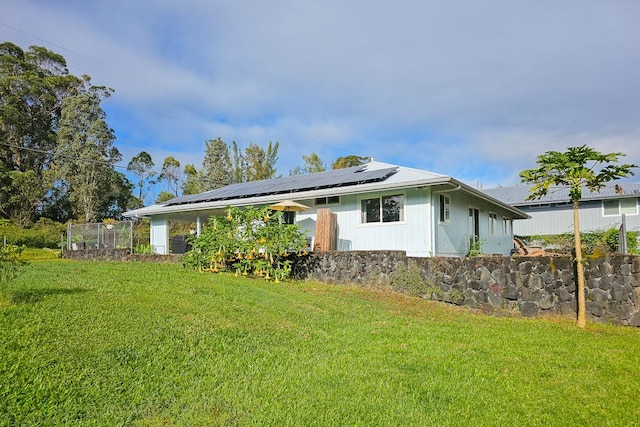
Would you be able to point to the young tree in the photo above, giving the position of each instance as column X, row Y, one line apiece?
column 21, row 194
column 578, row 168
column 349, row 161
column 216, row 166
column 170, row 173
column 85, row 155
column 164, row 196
column 312, row 163
column 193, row 182
column 238, row 167
column 261, row 164
column 141, row 165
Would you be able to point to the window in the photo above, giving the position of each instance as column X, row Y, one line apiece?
column 330, row 200
column 445, row 208
column 289, row 217
column 493, row 220
column 506, row 226
column 382, row 209
column 627, row 206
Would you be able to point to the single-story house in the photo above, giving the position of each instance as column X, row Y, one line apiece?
column 553, row 213
column 377, row 206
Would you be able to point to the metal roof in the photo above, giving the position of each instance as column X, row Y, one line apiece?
column 517, row 195
column 373, row 176
column 291, row 184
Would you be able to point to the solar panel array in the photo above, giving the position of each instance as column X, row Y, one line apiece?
column 328, row 179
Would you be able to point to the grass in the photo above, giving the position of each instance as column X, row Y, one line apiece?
column 87, row 343
column 36, row 254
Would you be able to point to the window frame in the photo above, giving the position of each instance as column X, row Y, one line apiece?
column 318, row 201
column 506, row 226
column 381, row 221
column 445, row 208
column 620, row 206
column 493, row 223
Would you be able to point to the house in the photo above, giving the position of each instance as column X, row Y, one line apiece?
column 378, row 206
column 553, row 213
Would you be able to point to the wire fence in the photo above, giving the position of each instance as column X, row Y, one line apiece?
column 113, row 235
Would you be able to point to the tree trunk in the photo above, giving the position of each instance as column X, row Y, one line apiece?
column 582, row 305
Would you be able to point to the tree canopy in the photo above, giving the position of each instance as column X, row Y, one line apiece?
column 349, row 161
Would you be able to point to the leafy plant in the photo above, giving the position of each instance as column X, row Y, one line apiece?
column 142, row 249
column 246, row 241
column 475, row 247
column 10, row 265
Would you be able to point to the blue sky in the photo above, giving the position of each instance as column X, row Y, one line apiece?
column 475, row 90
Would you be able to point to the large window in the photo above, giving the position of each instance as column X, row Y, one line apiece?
column 627, row 206
column 445, row 208
column 382, row 209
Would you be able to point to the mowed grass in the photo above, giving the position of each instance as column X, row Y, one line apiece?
column 88, row 343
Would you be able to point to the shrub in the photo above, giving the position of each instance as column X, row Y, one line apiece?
column 597, row 243
column 410, row 280
column 247, row 241
column 43, row 234
column 10, row 264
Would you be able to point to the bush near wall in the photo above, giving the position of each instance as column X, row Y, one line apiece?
column 43, row 234
column 596, row 243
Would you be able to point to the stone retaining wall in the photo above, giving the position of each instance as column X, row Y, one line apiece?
column 531, row 286
column 107, row 254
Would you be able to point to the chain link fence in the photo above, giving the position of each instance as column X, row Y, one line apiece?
column 112, row 235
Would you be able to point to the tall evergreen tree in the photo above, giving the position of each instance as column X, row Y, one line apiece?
column 261, row 163
column 312, row 163
column 193, row 182
column 85, row 155
column 141, row 165
column 170, row 173
column 238, row 167
column 216, row 166
column 349, row 161
column 33, row 85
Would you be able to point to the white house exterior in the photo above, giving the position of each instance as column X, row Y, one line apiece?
column 553, row 213
column 378, row 207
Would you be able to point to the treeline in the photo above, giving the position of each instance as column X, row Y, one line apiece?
column 56, row 150
column 58, row 159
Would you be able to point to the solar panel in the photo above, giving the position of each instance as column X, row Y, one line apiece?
column 329, row 179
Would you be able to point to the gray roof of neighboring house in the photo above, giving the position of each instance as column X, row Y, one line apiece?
column 517, row 195
column 373, row 176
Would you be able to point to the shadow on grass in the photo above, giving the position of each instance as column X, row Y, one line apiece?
column 37, row 295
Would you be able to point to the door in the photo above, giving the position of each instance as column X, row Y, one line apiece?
column 474, row 226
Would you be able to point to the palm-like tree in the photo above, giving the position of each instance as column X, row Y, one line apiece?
column 577, row 168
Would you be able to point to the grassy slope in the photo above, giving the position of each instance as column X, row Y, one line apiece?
column 149, row 344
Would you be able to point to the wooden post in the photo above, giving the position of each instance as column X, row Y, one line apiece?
column 326, row 238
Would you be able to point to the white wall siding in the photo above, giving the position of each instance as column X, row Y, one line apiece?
column 412, row 234
column 452, row 239
column 558, row 219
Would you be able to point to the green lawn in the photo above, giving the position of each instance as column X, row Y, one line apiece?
column 90, row 343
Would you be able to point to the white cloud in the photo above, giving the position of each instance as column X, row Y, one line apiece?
column 472, row 89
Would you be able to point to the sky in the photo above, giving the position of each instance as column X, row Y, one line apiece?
column 471, row 89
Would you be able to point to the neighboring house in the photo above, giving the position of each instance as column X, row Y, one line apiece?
column 378, row 206
column 553, row 213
